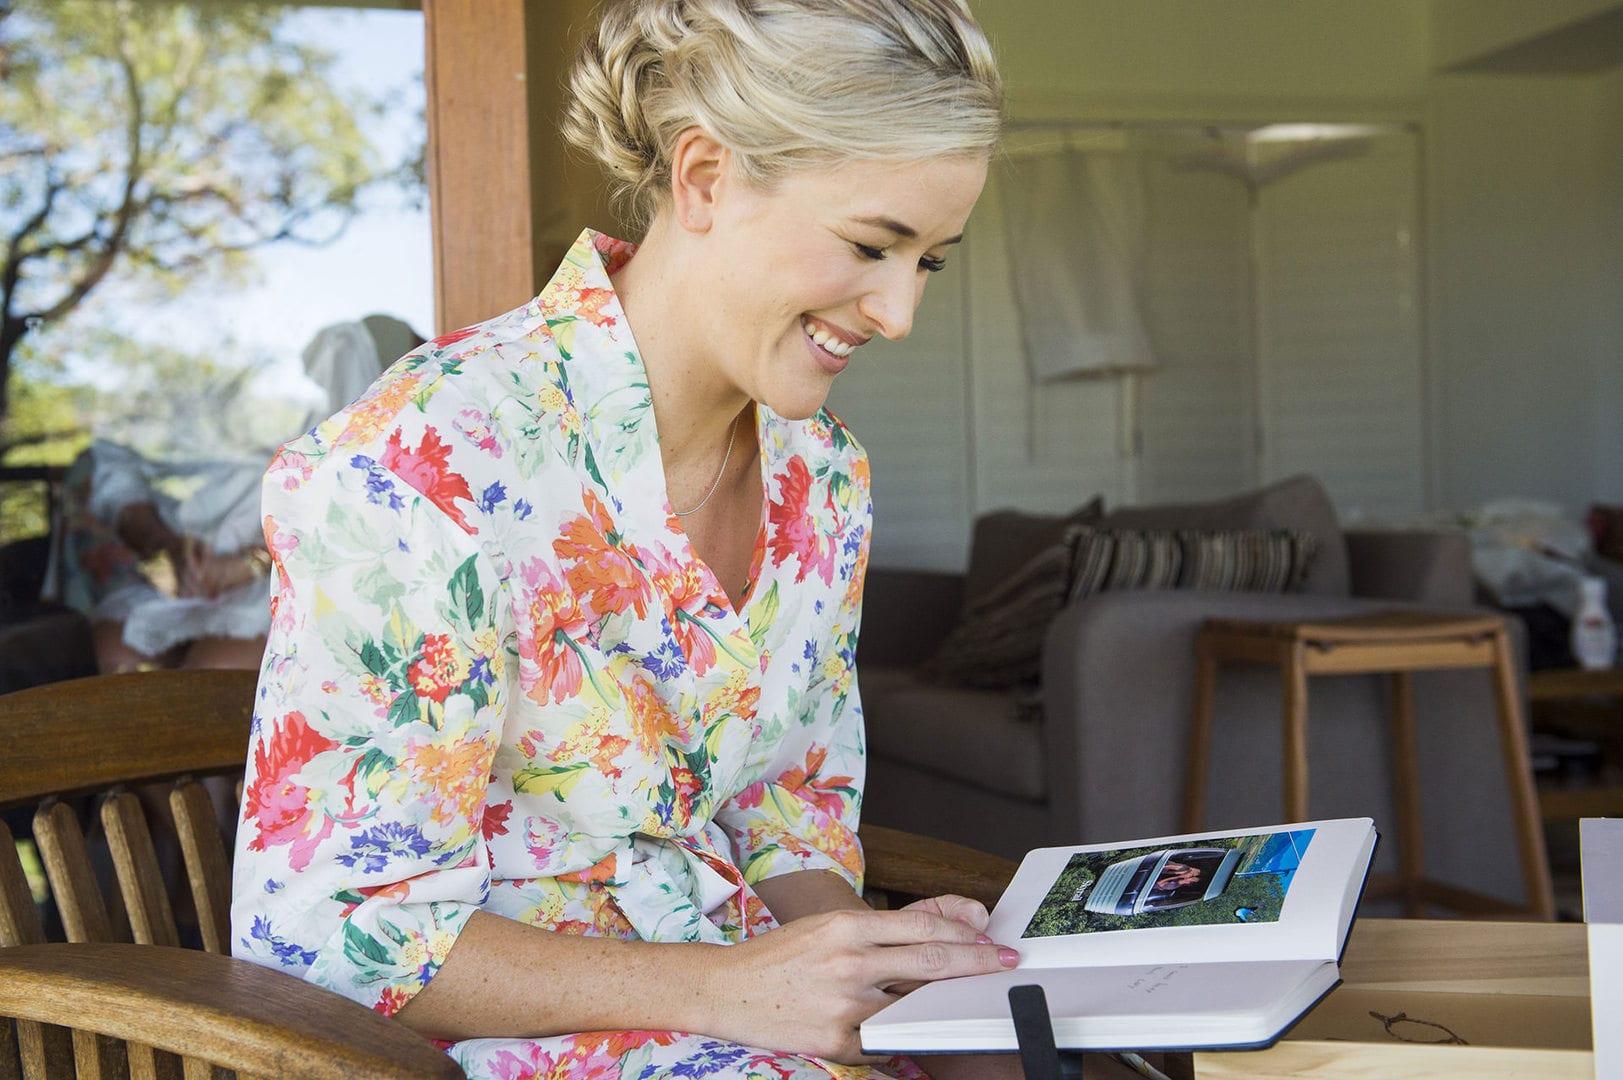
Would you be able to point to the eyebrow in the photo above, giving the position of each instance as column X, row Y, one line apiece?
column 907, row 232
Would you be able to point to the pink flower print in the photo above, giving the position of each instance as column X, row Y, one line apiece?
column 475, row 426
column 428, row 470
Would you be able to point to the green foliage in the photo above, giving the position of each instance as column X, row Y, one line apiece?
column 1059, row 914
column 151, row 143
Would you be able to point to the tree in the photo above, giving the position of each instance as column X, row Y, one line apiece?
column 156, row 142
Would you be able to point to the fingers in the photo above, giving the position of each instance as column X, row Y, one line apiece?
column 910, row 926
column 971, row 913
column 921, row 946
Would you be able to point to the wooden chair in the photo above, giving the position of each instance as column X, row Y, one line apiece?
column 125, row 995
column 121, row 987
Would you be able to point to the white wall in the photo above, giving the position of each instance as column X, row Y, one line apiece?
column 1523, row 180
column 1516, row 255
column 1608, row 356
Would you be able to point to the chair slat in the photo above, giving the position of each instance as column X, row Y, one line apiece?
column 27, row 1049
column 97, row 1057
column 208, row 868
column 67, row 865
column 19, row 919
column 149, row 1064
column 152, row 919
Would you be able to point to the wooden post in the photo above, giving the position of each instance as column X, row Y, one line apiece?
column 505, row 198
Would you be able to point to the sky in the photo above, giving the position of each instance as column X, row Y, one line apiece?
column 383, row 262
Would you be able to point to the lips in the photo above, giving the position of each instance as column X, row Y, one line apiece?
column 826, row 358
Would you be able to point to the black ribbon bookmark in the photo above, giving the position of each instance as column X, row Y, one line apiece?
column 1040, row 1058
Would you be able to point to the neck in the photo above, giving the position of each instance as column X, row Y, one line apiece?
column 695, row 404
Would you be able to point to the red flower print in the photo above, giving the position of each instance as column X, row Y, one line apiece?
column 441, row 669
column 602, row 573
column 455, row 336
column 821, row 791
column 428, row 470
column 681, row 586
column 794, row 530
column 495, row 818
column 277, row 804
column 590, row 302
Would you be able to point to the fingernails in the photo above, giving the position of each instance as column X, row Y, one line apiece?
column 1007, row 956
column 982, row 939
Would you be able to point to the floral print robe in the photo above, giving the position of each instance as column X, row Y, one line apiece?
column 498, row 678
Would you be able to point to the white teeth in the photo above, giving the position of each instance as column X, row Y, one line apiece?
column 826, row 340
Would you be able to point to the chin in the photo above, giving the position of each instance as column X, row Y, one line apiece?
column 799, row 404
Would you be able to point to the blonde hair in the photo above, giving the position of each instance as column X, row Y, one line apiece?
column 783, row 84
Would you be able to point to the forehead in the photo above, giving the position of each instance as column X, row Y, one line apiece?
column 931, row 197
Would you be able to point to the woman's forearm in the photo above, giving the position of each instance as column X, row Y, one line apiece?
column 503, row 978
column 807, row 892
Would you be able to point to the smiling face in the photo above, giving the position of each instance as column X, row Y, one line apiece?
column 822, row 262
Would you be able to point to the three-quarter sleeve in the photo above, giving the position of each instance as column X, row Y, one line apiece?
column 360, row 855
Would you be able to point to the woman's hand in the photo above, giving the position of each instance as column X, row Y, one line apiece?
column 806, row 987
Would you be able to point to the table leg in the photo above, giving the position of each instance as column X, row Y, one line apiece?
column 1406, row 794
column 1293, row 688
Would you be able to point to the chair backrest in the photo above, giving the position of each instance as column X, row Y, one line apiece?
column 94, row 1006
column 114, row 735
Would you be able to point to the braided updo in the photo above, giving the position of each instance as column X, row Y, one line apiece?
column 784, row 84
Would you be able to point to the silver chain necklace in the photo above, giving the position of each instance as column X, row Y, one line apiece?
column 728, row 456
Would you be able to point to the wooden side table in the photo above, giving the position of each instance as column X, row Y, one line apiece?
column 1393, row 643
column 1585, row 705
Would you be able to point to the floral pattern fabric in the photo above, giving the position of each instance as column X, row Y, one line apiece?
column 498, row 678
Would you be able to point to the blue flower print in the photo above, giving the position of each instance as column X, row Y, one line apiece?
column 370, row 850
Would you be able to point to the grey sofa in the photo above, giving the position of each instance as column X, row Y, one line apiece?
column 1097, row 752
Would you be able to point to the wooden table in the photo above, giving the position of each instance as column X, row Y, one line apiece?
column 1514, row 995
column 1585, row 705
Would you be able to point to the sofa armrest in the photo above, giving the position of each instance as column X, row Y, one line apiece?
column 1426, row 567
column 906, row 614
column 1118, row 688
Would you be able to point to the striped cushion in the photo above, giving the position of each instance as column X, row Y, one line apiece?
column 998, row 642
column 1227, row 561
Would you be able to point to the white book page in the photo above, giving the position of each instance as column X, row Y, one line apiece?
column 1309, row 923
column 1601, row 842
column 1111, row 1007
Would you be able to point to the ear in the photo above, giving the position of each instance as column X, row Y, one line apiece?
column 699, row 167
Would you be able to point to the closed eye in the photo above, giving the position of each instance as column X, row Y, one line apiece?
column 933, row 265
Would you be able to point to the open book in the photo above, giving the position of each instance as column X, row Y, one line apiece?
column 1179, row 942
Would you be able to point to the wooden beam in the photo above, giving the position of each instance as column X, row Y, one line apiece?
column 478, row 158
column 506, row 198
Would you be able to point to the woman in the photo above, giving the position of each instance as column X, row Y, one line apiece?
column 564, row 617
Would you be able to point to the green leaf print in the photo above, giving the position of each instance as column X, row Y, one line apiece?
column 559, row 780
column 762, row 616
column 406, row 709
column 591, row 465
column 373, row 660
column 466, row 593
column 362, row 949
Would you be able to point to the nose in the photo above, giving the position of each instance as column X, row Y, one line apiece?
column 890, row 304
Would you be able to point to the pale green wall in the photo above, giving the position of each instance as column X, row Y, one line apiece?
column 1516, row 307
column 1142, row 57
column 1608, row 362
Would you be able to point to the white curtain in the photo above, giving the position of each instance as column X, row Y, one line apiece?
column 1074, row 221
